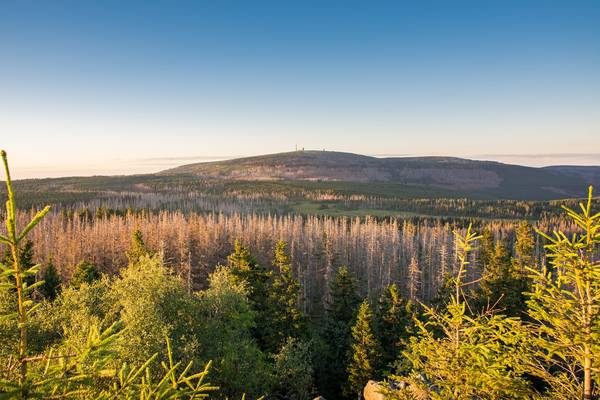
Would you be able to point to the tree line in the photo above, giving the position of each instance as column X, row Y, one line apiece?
column 190, row 194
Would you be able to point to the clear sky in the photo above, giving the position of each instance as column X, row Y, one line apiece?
column 103, row 87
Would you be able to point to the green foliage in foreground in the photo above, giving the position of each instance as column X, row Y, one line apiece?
column 104, row 337
column 227, row 322
column 91, row 372
column 565, row 303
column 336, row 334
column 287, row 321
column 365, row 351
column 458, row 355
column 294, row 372
column 394, row 324
column 51, row 287
column 85, row 272
column 455, row 356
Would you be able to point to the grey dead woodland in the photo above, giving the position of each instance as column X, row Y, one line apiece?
column 417, row 256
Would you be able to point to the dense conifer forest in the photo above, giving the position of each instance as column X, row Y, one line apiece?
column 156, row 297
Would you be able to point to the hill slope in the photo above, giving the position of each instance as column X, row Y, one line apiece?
column 590, row 174
column 487, row 178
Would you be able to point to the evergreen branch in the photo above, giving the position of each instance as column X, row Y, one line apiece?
column 36, row 219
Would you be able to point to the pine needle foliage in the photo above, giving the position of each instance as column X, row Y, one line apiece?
column 336, row 334
column 524, row 248
column 176, row 381
column 51, row 287
column 565, row 305
column 245, row 268
column 294, row 370
column 85, row 272
column 394, row 325
column 344, row 297
column 138, row 248
column 227, row 324
column 503, row 284
column 365, row 352
column 15, row 277
column 287, row 319
column 457, row 356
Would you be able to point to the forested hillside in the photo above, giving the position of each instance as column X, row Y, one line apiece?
column 479, row 178
column 326, row 183
column 110, row 195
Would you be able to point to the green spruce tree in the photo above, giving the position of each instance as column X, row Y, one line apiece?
column 394, row 325
column 138, row 248
column 246, row 269
column 444, row 292
column 27, row 254
column 501, row 286
column 344, row 297
column 523, row 259
column 565, row 303
column 336, row 334
column 524, row 248
column 365, row 352
column 51, row 286
column 85, row 272
column 288, row 319
column 500, row 260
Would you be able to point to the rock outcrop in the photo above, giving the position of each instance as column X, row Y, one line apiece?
column 373, row 391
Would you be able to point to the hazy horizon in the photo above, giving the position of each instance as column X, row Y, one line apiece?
column 101, row 88
column 152, row 165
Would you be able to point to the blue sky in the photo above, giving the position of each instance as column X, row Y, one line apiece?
column 126, row 87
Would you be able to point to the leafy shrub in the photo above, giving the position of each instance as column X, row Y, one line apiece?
column 227, row 323
column 153, row 304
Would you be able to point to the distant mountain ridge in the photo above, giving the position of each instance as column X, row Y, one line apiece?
column 488, row 178
column 590, row 174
